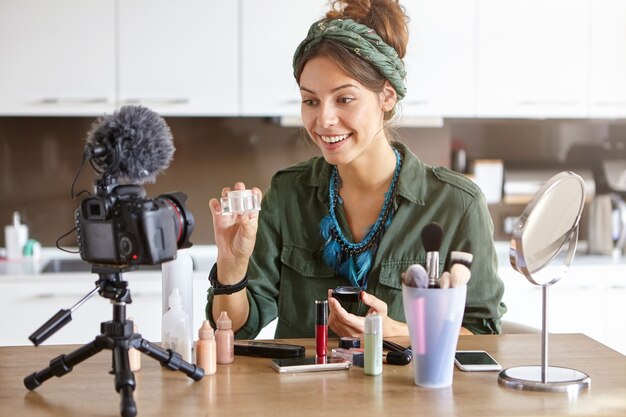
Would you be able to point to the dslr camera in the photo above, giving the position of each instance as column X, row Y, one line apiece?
column 120, row 226
column 126, row 228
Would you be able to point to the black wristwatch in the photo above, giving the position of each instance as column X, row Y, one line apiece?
column 219, row 289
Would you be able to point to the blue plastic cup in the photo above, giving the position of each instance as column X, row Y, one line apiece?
column 434, row 317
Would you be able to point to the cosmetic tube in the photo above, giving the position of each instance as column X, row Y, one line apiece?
column 373, row 341
column 321, row 327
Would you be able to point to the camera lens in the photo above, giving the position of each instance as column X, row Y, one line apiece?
column 183, row 219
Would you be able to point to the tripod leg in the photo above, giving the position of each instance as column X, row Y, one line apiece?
column 171, row 359
column 62, row 364
column 124, row 379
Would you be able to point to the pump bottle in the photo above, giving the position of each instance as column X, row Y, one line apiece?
column 175, row 327
column 225, row 339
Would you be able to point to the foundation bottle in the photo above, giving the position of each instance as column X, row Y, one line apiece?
column 225, row 339
column 206, row 355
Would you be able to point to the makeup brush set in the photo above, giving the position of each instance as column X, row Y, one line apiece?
column 417, row 276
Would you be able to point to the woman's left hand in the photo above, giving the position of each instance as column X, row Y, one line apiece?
column 346, row 324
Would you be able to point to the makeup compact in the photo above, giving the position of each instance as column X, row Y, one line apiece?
column 347, row 294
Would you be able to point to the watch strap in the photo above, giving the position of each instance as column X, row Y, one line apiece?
column 219, row 289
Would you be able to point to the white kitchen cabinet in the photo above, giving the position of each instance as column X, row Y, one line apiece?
column 589, row 299
column 268, row 42
column 532, row 58
column 72, row 57
column 607, row 89
column 57, row 57
column 614, row 327
column 440, row 59
column 27, row 302
column 179, row 58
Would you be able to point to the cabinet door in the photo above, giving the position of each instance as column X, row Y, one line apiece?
column 532, row 58
column 440, row 59
column 57, row 57
column 268, row 44
column 615, row 317
column 607, row 91
column 179, row 58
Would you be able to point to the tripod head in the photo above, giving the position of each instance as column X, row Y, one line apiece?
column 110, row 284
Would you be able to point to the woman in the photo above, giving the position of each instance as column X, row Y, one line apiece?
column 353, row 216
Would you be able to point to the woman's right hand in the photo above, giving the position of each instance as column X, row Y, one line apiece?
column 235, row 236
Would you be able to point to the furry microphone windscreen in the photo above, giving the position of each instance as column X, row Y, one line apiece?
column 134, row 145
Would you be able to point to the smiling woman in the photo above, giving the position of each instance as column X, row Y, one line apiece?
column 354, row 215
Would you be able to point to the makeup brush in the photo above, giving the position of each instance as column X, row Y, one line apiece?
column 444, row 280
column 460, row 264
column 415, row 276
column 432, row 235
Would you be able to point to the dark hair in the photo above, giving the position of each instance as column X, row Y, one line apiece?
column 385, row 17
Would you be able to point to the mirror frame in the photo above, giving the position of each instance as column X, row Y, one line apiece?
column 516, row 251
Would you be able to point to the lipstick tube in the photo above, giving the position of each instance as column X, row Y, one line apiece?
column 321, row 327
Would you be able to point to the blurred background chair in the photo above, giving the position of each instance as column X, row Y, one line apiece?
column 509, row 327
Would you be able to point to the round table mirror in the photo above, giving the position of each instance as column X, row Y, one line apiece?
column 544, row 236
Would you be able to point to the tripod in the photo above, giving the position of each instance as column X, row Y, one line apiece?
column 116, row 335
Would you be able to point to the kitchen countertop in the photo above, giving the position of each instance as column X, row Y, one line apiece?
column 203, row 257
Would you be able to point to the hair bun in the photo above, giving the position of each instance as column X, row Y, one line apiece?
column 385, row 17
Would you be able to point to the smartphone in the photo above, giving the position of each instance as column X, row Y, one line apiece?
column 475, row 360
column 286, row 366
column 268, row 349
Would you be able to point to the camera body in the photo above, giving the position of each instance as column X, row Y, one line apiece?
column 121, row 227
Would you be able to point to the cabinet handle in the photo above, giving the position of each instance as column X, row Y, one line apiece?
column 168, row 101
column 548, row 102
column 420, row 102
column 74, row 100
column 609, row 103
column 290, row 102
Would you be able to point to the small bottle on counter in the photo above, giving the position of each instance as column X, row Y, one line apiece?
column 373, row 341
column 225, row 339
column 175, row 327
column 15, row 237
column 206, row 352
column 134, row 356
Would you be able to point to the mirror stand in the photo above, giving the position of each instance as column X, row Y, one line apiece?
column 544, row 377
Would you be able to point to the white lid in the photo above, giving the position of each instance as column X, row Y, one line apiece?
column 373, row 324
column 175, row 299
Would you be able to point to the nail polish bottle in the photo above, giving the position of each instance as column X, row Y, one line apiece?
column 225, row 339
column 206, row 354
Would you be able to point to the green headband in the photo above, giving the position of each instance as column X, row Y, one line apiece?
column 361, row 40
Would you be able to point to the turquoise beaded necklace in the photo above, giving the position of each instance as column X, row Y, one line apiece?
column 354, row 260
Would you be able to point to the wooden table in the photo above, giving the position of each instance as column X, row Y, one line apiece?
column 249, row 387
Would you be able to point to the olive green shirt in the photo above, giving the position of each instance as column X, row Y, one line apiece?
column 286, row 274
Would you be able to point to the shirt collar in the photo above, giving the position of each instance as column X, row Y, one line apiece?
column 411, row 183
